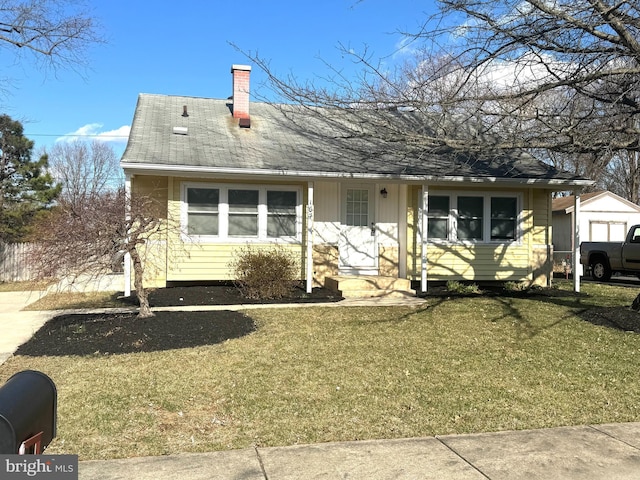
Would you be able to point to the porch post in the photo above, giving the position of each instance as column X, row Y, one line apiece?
column 310, row 218
column 424, row 222
column 402, row 231
column 127, row 256
column 576, row 240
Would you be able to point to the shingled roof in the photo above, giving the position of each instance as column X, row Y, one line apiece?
column 200, row 136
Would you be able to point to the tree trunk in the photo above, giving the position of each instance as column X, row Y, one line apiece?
column 141, row 293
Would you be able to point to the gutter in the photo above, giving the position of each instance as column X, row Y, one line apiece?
column 240, row 173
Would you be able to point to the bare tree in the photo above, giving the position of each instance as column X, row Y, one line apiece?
column 493, row 76
column 84, row 169
column 55, row 32
column 623, row 176
column 84, row 238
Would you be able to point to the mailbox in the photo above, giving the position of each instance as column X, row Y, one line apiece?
column 28, row 409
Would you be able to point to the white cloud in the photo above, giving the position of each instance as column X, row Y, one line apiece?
column 405, row 47
column 526, row 71
column 92, row 131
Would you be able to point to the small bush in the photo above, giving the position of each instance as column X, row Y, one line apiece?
column 264, row 273
column 454, row 286
column 516, row 286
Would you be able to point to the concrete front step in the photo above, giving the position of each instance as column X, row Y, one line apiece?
column 361, row 286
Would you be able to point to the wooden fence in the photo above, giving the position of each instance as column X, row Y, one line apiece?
column 14, row 262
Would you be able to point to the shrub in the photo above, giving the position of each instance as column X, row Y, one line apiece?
column 264, row 273
column 516, row 286
column 454, row 286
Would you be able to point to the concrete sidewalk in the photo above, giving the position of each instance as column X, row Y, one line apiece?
column 588, row 452
column 16, row 327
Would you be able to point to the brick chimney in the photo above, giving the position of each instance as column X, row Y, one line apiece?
column 241, row 75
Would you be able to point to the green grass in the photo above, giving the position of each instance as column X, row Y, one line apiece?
column 24, row 286
column 330, row 374
column 61, row 301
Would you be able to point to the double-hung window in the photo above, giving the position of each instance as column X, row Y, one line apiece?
column 229, row 212
column 281, row 213
column 473, row 217
column 504, row 218
column 243, row 212
column 470, row 218
column 438, row 217
column 202, row 211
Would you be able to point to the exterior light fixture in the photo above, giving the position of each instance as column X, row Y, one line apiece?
column 384, row 192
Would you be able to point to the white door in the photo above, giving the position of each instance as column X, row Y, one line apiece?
column 358, row 252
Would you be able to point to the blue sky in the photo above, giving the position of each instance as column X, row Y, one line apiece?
column 183, row 48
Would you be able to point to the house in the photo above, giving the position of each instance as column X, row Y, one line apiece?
column 352, row 208
column 604, row 217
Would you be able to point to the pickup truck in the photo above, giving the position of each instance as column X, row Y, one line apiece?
column 606, row 258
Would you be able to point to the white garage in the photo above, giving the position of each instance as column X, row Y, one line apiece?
column 604, row 217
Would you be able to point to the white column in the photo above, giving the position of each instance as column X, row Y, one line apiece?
column 423, row 238
column 576, row 240
column 127, row 256
column 402, row 231
column 310, row 217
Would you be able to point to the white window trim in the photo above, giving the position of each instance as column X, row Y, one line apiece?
column 223, row 213
column 486, row 220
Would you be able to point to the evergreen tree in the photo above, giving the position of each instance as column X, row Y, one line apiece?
column 26, row 187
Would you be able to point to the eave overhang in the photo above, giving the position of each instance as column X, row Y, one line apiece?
column 132, row 168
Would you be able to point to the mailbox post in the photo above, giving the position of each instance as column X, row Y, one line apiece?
column 28, row 413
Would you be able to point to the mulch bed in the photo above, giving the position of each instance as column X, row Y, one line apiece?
column 229, row 295
column 114, row 333
column 118, row 333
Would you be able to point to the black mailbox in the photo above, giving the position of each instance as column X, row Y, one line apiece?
column 28, row 409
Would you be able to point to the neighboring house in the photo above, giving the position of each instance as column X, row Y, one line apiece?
column 234, row 173
column 604, row 217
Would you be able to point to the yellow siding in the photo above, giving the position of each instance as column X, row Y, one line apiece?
column 477, row 262
column 154, row 187
column 541, row 224
column 213, row 261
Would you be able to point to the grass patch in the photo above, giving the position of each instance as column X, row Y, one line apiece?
column 318, row 374
column 24, row 286
column 63, row 301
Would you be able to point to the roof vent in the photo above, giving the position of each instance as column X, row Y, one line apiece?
column 180, row 130
column 184, row 111
column 244, row 123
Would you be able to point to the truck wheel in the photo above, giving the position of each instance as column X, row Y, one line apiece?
column 600, row 271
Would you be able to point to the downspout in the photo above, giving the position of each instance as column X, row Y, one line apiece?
column 576, row 240
column 424, row 222
column 310, row 218
column 127, row 255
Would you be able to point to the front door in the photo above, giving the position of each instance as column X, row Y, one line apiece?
column 358, row 246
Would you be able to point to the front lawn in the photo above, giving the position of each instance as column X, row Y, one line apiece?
column 318, row 374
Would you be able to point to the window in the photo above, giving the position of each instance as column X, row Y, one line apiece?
column 438, row 217
column 470, row 218
column 241, row 212
column 203, row 211
column 281, row 213
column 477, row 217
column 504, row 216
column 357, row 207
